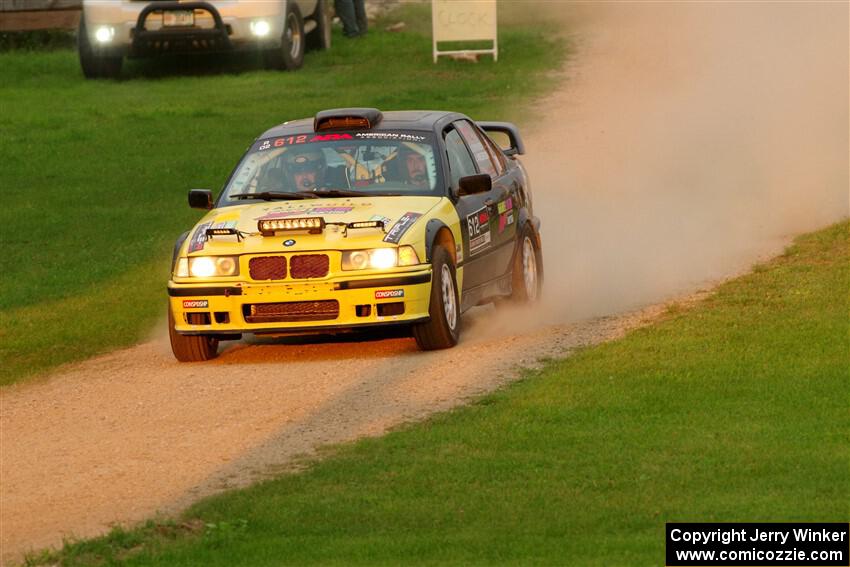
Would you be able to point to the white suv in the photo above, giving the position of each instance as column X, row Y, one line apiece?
column 281, row 29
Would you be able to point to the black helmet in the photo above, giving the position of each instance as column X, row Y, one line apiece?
column 304, row 161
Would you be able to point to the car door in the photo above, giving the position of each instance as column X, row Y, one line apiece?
column 475, row 211
column 498, row 250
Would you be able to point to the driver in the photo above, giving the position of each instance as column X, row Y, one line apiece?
column 305, row 169
column 414, row 167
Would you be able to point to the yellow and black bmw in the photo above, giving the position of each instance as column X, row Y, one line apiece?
column 358, row 218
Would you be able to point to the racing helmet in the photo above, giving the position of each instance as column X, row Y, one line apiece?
column 300, row 164
column 395, row 167
column 406, row 151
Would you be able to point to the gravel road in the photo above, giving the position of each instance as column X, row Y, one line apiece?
column 686, row 142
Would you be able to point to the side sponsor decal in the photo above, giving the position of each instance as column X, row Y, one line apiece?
column 195, row 303
column 478, row 226
column 389, row 293
column 199, row 237
column 506, row 214
column 505, row 205
column 459, row 250
column 401, row 226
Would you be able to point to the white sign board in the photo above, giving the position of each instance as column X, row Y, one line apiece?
column 464, row 20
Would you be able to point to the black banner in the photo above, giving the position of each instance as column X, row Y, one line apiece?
column 761, row 544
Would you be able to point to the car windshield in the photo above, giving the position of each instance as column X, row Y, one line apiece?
column 346, row 164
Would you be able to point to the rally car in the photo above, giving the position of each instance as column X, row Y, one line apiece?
column 358, row 218
column 111, row 30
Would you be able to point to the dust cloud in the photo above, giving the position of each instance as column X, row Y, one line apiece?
column 689, row 140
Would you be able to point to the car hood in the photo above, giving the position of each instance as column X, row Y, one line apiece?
column 244, row 218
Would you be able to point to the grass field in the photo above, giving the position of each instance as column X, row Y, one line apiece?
column 731, row 410
column 95, row 173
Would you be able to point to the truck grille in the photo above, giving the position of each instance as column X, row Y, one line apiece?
column 309, row 266
column 267, row 268
column 291, row 312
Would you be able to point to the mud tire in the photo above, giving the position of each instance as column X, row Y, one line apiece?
column 290, row 55
column 442, row 330
column 527, row 274
column 191, row 348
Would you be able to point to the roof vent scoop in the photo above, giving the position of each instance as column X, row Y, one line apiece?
column 347, row 119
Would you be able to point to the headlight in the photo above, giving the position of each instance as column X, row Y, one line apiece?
column 379, row 258
column 260, row 28
column 104, row 34
column 383, row 258
column 207, row 267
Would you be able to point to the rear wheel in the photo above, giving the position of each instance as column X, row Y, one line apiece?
column 290, row 55
column 320, row 38
column 443, row 328
column 526, row 281
column 94, row 65
column 190, row 348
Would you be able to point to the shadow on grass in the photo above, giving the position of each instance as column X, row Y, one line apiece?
column 192, row 65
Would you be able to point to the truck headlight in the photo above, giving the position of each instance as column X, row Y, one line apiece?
column 261, row 28
column 207, row 266
column 104, row 34
column 379, row 258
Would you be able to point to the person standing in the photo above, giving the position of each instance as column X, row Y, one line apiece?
column 353, row 16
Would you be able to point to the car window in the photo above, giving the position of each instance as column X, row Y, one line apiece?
column 496, row 153
column 476, row 146
column 460, row 162
column 371, row 163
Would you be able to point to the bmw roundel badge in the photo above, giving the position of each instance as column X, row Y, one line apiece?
column 289, row 242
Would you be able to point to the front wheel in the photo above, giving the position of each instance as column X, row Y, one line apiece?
column 190, row 348
column 443, row 328
column 290, row 55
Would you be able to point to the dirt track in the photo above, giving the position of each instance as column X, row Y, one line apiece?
column 687, row 141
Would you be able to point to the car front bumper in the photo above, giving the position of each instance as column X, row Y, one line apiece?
column 139, row 30
column 322, row 305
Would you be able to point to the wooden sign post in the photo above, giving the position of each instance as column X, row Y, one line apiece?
column 464, row 20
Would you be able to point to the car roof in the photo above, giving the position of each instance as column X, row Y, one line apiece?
column 418, row 120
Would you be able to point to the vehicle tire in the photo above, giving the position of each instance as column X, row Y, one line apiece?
column 95, row 66
column 190, row 348
column 320, row 38
column 290, row 55
column 526, row 277
column 443, row 328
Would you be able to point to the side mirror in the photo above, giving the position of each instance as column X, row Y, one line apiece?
column 472, row 184
column 200, row 199
column 510, row 131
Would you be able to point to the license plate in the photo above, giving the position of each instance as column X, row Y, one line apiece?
column 178, row 18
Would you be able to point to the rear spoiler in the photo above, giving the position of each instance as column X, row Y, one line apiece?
column 517, row 147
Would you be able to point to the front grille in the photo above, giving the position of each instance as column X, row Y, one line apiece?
column 291, row 312
column 267, row 268
column 309, row 266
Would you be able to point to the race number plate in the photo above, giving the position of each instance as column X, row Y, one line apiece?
column 178, row 18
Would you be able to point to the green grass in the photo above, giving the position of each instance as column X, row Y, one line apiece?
column 731, row 410
column 95, row 173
